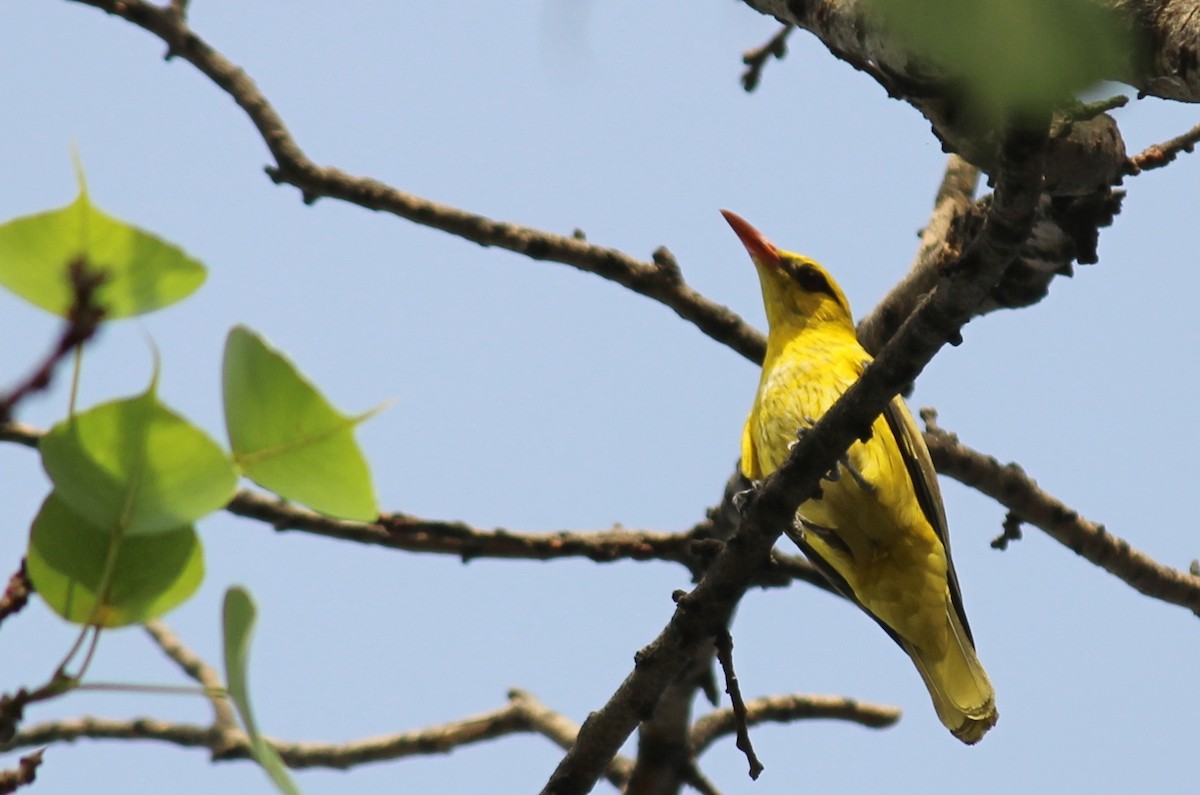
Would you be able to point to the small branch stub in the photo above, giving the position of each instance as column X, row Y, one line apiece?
column 1011, row 532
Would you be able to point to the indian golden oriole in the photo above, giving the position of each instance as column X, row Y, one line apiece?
column 877, row 529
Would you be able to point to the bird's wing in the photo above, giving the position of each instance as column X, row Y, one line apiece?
column 916, row 459
column 837, row 580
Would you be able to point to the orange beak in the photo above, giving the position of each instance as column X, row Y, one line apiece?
column 761, row 250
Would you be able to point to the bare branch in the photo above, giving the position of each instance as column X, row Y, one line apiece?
column 562, row 731
column 786, row 709
column 70, row 730
column 1065, row 230
column 1011, row 487
column 1159, row 155
column 707, row 609
column 522, row 714
column 942, row 241
column 401, row 531
column 756, row 59
column 664, row 758
column 196, row 668
column 693, row 549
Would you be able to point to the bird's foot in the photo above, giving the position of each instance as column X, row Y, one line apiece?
column 834, row 475
column 809, row 422
column 741, row 498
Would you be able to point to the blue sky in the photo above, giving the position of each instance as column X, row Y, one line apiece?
column 531, row 396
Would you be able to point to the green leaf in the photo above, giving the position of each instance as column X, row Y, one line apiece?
column 1015, row 56
column 143, row 272
column 133, row 466
column 287, row 437
column 151, row 574
column 238, row 620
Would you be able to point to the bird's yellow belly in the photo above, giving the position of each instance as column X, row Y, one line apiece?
column 866, row 525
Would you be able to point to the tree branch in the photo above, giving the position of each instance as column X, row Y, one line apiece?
column 522, row 714
column 401, row 531
column 942, row 242
column 1065, row 230
column 1171, row 32
column 197, row 669
column 786, row 709
column 1011, row 487
column 665, row 760
column 1159, row 155
column 692, row 549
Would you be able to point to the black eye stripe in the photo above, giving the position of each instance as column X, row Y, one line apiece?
column 809, row 278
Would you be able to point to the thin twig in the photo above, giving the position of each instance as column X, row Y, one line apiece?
column 1159, row 155
column 1011, row 487
column 756, row 59
column 196, row 668
column 724, row 644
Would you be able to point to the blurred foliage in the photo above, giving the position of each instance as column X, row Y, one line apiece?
column 1014, row 57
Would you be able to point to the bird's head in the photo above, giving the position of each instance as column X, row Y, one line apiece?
column 796, row 290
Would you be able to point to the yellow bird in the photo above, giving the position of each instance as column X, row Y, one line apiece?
column 878, row 529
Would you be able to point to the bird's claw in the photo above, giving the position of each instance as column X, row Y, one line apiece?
column 834, row 475
column 741, row 498
column 803, row 429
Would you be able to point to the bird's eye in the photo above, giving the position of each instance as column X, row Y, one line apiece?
column 809, row 278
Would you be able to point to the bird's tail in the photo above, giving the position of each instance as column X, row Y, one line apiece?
column 961, row 692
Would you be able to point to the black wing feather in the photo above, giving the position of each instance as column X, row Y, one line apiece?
column 916, row 459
